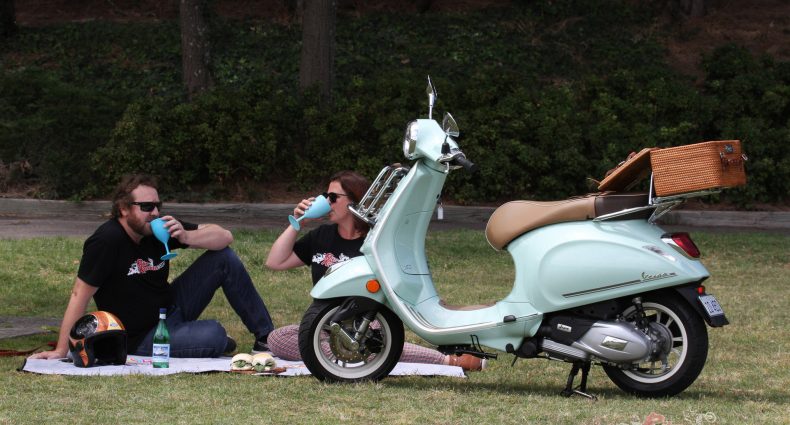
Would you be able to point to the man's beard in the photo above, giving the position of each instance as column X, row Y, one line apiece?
column 138, row 226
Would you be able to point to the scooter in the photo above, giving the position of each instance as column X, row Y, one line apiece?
column 596, row 282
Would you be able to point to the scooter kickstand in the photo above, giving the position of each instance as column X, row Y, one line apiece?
column 582, row 388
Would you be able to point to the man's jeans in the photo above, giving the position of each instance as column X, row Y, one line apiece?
column 192, row 292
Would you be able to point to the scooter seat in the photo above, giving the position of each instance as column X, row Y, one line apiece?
column 518, row 217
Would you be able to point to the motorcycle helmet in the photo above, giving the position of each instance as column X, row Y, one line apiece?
column 97, row 338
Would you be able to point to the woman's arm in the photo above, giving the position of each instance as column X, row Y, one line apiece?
column 282, row 256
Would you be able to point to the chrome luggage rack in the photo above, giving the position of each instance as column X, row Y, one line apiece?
column 379, row 192
column 659, row 205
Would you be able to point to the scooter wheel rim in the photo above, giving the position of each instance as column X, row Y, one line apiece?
column 666, row 317
column 360, row 370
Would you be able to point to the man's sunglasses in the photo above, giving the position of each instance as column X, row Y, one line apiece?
column 332, row 196
column 148, row 206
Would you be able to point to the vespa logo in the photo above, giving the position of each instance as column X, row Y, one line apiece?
column 647, row 277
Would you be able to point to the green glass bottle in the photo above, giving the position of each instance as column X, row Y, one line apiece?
column 161, row 350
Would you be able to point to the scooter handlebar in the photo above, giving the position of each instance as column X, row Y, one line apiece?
column 467, row 164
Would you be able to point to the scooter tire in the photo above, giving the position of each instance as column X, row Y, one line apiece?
column 330, row 366
column 688, row 353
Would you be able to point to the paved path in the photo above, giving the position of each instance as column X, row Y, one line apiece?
column 20, row 326
column 27, row 218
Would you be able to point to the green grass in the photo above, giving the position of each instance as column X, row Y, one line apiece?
column 744, row 382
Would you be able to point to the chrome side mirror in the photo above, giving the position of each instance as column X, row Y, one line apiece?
column 449, row 125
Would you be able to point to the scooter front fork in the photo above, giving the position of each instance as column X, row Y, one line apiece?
column 353, row 342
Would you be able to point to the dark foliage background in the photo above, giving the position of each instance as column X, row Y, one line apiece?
column 547, row 95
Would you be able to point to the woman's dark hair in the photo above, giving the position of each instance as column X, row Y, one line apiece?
column 122, row 195
column 355, row 185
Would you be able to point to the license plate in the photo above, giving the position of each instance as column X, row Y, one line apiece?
column 711, row 305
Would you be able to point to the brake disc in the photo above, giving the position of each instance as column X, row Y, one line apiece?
column 338, row 343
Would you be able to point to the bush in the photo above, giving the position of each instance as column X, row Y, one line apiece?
column 222, row 137
column 547, row 95
column 54, row 127
column 751, row 102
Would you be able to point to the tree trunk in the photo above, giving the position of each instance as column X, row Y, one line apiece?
column 318, row 47
column 694, row 8
column 295, row 8
column 423, row 5
column 195, row 50
column 7, row 18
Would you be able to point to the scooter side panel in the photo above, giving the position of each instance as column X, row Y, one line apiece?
column 571, row 264
column 347, row 280
column 410, row 243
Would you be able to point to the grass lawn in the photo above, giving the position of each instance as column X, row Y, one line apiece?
column 745, row 381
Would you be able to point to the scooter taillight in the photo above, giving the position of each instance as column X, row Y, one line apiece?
column 683, row 240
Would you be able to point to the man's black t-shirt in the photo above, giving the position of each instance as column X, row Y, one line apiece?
column 322, row 247
column 131, row 278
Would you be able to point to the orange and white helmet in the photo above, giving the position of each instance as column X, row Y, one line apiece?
column 98, row 338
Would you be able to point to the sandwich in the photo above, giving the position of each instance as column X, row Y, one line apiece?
column 241, row 362
column 263, row 362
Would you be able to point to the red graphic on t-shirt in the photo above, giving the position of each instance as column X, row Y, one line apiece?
column 328, row 259
column 140, row 266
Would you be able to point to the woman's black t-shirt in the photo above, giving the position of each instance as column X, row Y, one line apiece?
column 323, row 247
column 131, row 278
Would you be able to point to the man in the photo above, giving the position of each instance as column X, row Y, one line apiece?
column 121, row 269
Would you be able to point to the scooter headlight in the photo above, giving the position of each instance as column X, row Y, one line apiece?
column 410, row 139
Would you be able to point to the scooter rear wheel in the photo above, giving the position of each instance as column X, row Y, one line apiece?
column 688, row 353
column 329, row 360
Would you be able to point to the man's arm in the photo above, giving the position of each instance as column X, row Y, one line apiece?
column 80, row 296
column 206, row 236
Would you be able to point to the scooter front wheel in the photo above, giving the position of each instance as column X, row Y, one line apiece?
column 328, row 355
column 688, row 349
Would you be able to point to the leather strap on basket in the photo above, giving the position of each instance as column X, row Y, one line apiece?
column 726, row 162
column 631, row 155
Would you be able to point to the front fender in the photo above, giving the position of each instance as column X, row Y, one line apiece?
column 347, row 280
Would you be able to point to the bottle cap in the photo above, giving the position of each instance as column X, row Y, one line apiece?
column 162, row 310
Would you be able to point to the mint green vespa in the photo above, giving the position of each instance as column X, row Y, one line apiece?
column 596, row 282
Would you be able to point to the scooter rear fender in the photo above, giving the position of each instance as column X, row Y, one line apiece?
column 347, row 279
column 690, row 294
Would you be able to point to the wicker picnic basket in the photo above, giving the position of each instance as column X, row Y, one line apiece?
column 700, row 166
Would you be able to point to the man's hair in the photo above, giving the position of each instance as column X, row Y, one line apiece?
column 355, row 185
column 122, row 195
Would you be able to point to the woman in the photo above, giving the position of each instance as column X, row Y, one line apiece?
column 331, row 244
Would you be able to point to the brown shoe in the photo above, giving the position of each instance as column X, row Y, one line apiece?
column 468, row 362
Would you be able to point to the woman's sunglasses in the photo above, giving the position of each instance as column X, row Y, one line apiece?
column 332, row 196
column 148, row 206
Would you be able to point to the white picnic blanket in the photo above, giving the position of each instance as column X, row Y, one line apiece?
column 142, row 365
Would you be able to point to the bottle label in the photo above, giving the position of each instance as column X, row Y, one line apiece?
column 161, row 353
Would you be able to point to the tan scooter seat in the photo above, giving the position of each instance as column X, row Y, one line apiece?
column 518, row 217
